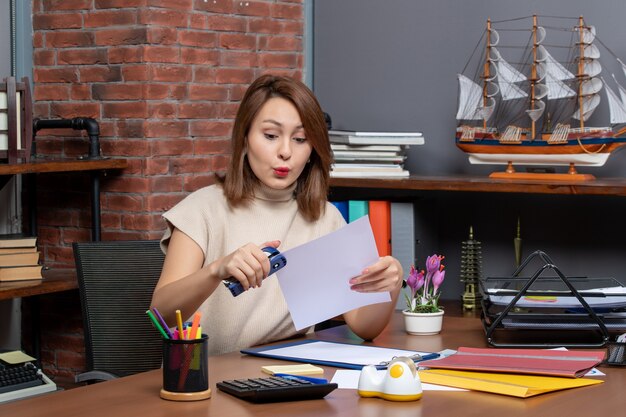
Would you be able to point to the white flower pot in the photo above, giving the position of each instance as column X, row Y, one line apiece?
column 423, row 323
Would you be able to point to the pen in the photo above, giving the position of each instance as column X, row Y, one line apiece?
column 163, row 323
column 194, row 326
column 156, row 324
column 179, row 321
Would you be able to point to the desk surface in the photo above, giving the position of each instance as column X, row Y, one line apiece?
column 138, row 394
column 53, row 281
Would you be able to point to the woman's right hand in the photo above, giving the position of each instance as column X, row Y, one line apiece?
column 248, row 264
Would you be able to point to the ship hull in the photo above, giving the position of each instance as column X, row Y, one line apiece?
column 584, row 152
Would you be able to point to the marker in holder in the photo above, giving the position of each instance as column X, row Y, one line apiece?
column 277, row 261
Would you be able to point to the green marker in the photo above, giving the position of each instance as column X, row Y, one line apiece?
column 157, row 324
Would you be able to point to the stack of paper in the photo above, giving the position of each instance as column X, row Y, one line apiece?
column 371, row 154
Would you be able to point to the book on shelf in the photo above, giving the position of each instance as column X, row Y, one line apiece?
column 384, row 167
column 368, row 154
column 19, row 259
column 370, row 174
column 20, row 273
column 375, row 138
column 8, row 251
column 17, row 240
column 367, row 148
column 394, row 159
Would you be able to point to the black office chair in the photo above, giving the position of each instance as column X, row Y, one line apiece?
column 116, row 280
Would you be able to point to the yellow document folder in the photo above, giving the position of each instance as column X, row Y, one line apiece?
column 516, row 385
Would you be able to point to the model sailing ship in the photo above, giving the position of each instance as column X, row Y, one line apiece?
column 536, row 112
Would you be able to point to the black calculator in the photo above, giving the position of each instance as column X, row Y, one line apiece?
column 277, row 388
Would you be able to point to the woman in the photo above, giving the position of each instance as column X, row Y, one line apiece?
column 273, row 194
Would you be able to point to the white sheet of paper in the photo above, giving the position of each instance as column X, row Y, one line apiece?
column 315, row 279
column 349, row 379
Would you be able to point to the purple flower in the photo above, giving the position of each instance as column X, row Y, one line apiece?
column 437, row 279
column 432, row 263
column 415, row 281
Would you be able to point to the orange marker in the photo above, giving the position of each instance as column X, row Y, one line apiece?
column 194, row 326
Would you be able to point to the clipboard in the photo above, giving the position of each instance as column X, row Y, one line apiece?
column 336, row 354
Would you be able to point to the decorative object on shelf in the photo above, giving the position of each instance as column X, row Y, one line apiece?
column 517, row 245
column 423, row 314
column 471, row 264
column 16, row 120
column 569, row 92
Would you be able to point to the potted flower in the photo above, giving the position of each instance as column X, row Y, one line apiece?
column 423, row 314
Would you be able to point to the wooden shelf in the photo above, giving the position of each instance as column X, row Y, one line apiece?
column 62, row 165
column 606, row 186
column 53, row 281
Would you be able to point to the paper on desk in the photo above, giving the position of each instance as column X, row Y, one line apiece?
column 315, row 279
column 349, row 379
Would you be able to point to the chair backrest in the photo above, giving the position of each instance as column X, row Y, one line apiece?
column 116, row 280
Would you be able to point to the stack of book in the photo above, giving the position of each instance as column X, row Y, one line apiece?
column 19, row 258
column 371, row 154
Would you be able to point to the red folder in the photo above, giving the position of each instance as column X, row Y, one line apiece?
column 563, row 363
column 380, row 219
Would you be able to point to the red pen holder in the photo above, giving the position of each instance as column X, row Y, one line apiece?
column 186, row 369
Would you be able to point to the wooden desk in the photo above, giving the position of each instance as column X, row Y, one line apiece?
column 53, row 281
column 139, row 394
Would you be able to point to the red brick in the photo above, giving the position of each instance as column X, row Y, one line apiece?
column 43, row 58
column 174, row 73
column 108, row 18
column 100, row 73
column 252, row 8
column 111, row 220
column 237, row 92
column 82, row 56
column 122, row 36
column 210, row 129
column 228, row 110
column 130, row 128
column 219, row 163
column 292, row 28
column 280, row 43
column 163, row 17
column 125, row 54
column 287, row 11
column 212, row 146
column 223, row 7
column 172, row 4
column 156, row 166
column 183, row 165
column 124, row 202
column 75, row 235
column 124, row 91
column 141, row 221
column 195, row 182
column 155, row 91
column 114, row 4
column 161, row 54
column 129, row 147
column 203, row 74
column 267, row 26
column 197, row 21
column 81, row 92
column 237, row 41
column 198, row 111
column 128, row 184
column 208, row 92
column 38, row 40
column 70, row 110
column 161, row 111
column 234, row 76
column 125, row 109
column 135, row 73
column 57, row 21
column 166, row 184
column 168, row 129
column 227, row 23
column 56, row 5
column 197, row 38
column 238, row 59
column 172, row 147
column 199, row 56
column 52, row 92
column 162, row 202
column 178, row 91
column 162, row 35
column 275, row 60
column 69, row 39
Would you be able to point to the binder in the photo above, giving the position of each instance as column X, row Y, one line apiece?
column 357, row 209
column 337, row 354
column 380, row 219
column 403, row 240
column 342, row 206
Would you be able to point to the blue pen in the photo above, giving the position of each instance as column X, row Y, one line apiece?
column 163, row 323
column 306, row 378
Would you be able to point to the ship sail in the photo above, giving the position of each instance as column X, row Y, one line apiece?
column 507, row 76
column 470, row 98
column 591, row 86
column 553, row 73
column 617, row 109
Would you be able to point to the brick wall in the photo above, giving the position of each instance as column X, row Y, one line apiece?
column 163, row 78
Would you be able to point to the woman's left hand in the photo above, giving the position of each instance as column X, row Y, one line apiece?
column 384, row 275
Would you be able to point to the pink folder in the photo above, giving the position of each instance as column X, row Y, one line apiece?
column 522, row 361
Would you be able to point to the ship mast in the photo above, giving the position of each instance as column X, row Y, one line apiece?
column 533, row 76
column 486, row 70
column 581, row 57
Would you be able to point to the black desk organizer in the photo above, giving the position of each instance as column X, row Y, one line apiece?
column 589, row 327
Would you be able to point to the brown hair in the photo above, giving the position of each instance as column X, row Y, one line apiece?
column 312, row 188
